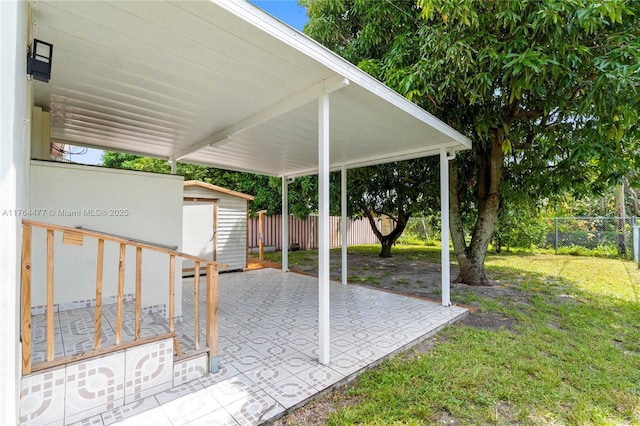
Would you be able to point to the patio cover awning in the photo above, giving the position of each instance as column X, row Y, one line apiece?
column 219, row 83
column 223, row 84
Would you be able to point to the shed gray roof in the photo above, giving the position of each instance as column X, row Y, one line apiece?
column 215, row 188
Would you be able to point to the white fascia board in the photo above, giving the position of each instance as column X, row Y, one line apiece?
column 331, row 60
column 281, row 107
column 451, row 147
column 232, row 168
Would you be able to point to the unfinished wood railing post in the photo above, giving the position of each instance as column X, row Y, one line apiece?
column 215, row 230
column 138, row 290
column 26, row 299
column 120, row 309
column 50, row 330
column 74, row 237
column 97, row 338
column 172, row 297
column 212, row 317
column 196, row 304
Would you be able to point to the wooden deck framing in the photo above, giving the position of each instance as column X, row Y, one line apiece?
column 75, row 237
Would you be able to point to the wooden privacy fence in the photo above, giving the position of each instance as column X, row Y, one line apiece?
column 304, row 232
column 75, row 237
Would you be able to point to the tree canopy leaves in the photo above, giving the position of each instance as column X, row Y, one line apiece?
column 546, row 89
column 266, row 190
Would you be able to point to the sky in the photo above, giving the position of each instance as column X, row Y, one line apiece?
column 287, row 11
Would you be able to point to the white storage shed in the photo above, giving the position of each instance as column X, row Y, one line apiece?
column 214, row 224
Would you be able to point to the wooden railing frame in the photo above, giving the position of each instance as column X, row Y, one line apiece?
column 99, row 275
column 77, row 235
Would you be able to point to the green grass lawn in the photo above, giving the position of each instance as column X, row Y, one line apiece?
column 400, row 253
column 571, row 354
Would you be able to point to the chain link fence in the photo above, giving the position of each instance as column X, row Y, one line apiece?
column 607, row 234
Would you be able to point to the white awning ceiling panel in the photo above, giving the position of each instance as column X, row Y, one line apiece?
column 169, row 79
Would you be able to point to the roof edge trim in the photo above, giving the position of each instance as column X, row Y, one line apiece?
column 217, row 188
column 333, row 61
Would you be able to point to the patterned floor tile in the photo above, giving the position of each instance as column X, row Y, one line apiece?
column 233, row 389
column 312, row 351
column 148, row 369
column 401, row 337
column 320, row 376
column 190, row 407
column 42, row 397
column 268, row 343
column 266, row 375
column 276, row 351
column 290, row 391
column 366, row 353
column 91, row 421
column 246, row 360
column 220, row 417
column 153, row 417
column 129, row 410
column 235, row 348
column 255, row 409
column 226, row 372
column 178, row 392
column 301, row 342
column 94, row 386
column 386, row 343
column 346, row 364
column 189, row 369
column 298, row 362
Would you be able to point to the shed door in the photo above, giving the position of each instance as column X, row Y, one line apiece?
column 199, row 230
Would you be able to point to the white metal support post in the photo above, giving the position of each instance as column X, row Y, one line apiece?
column 345, row 221
column 444, row 214
column 323, row 228
column 285, row 224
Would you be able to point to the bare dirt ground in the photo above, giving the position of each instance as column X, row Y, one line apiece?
column 402, row 274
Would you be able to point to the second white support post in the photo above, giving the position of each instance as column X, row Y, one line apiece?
column 323, row 229
column 285, row 224
column 444, row 214
column 345, row 221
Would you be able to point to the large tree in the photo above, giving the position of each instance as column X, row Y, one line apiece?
column 396, row 190
column 546, row 89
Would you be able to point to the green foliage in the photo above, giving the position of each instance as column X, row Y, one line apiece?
column 406, row 186
column 609, row 250
column 422, row 231
column 522, row 226
column 547, row 90
column 567, row 205
column 266, row 190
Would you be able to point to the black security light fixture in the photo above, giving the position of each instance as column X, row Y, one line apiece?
column 39, row 60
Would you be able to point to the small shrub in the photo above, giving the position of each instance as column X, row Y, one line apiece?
column 609, row 250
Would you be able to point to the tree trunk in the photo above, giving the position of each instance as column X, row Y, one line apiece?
column 489, row 175
column 635, row 203
column 386, row 247
column 387, row 241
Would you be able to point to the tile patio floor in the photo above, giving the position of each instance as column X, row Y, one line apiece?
column 268, row 347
